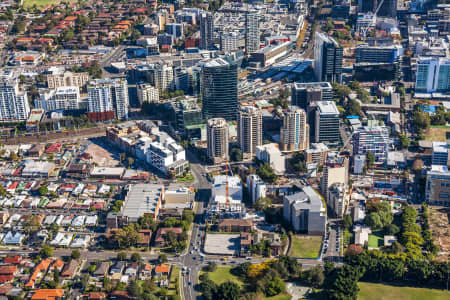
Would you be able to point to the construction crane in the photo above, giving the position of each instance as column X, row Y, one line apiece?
column 373, row 22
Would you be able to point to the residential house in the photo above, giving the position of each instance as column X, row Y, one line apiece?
column 132, row 270
column 145, row 272
column 119, row 295
column 7, row 273
column 70, row 269
column 117, row 268
column 161, row 235
column 102, row 269
column 58, row 265
column 96, row 296
column 39, row 271
column 13, row 260
column 48, row 294
column 162, row 270
column 145, row 236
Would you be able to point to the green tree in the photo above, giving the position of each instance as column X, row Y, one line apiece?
column 229, row 291
column 348, row 221
column 316, row 276
column 75, row 254
column 134, row 289
column 266, row 172
column 46, row 251
column 262, row 204
column 122, row 256
column 391, row 229
column 421, row 120
column 162, row 258
column 404, row 141
column 236, row 154
column 274, row 287
column 373, row 220
column 353, row 108
column 43, row 190
column 147, row 222
column 135, row 257
column 370, row 159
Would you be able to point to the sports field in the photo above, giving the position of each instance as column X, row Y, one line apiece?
column 376, row 291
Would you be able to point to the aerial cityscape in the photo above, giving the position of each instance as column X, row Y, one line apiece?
column 229, row 150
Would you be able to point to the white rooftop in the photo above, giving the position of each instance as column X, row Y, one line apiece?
column 327, row 108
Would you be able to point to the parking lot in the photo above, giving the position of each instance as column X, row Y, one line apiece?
column 223, row 244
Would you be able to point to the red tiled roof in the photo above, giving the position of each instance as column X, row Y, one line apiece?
column 162, row 269
column 6, row 278
column 47, row 294
column 8, row 270
column 13, row 259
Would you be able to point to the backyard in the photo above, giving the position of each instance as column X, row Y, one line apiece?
column 305, row 246
column 375, row 291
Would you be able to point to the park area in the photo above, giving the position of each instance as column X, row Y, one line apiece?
column 305, row 246
column 39, row 3
column 223, row 274
column 376, row 291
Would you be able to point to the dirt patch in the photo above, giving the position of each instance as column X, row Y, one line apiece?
column 101, row 156
column 69, row 135
column 440, row 229
column 437, row 134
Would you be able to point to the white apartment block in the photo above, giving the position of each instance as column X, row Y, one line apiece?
column 229, row 41
column 164, row 153
column 13, row 103
column 60, row 78
column 108, row 99
column 256, row 187
column 161, row 76
column 271, row 154
column 61, row 98
column 147, row 93
column 337, row 199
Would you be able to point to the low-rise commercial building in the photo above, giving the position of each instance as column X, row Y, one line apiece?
column 142, row 199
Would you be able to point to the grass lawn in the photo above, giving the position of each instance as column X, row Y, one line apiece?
column 222, row 274
column 305, row 246
column 282, row 296
column 348, row 238
column 188, row 178
column 375, row 240
column 39, row 3
column 174, row 277
column 376, row 291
